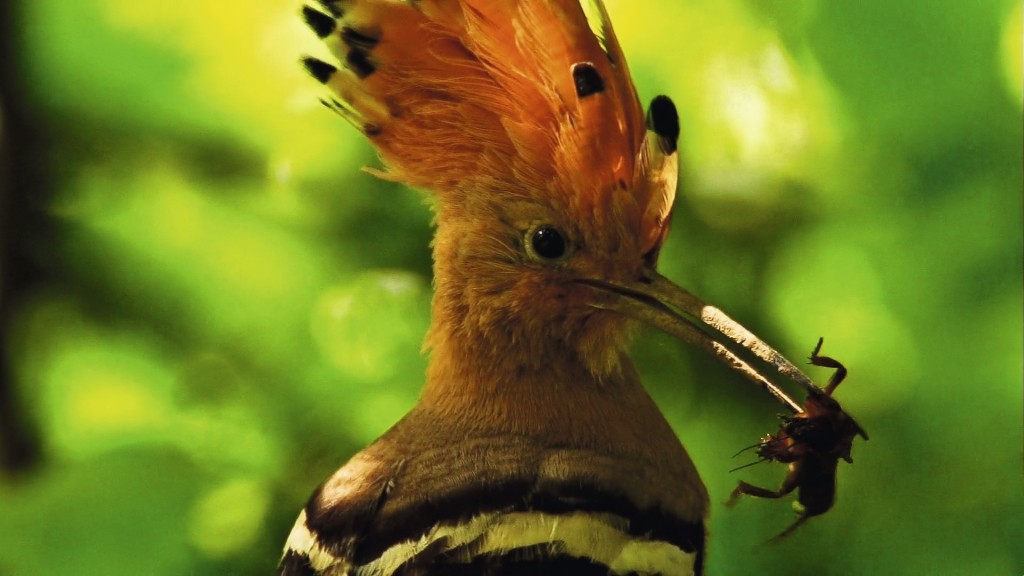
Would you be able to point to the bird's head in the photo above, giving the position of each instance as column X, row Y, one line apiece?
column 525, row 258
column 552, row 190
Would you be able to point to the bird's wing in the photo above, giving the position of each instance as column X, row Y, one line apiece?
column 409, row 501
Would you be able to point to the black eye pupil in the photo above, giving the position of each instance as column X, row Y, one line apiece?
column 548, row 243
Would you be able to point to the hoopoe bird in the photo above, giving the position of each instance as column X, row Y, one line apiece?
column 534, row 448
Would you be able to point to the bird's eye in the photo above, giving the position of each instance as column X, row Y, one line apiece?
column 545, row 242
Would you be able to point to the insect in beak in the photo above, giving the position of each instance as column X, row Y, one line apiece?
column 811, row 444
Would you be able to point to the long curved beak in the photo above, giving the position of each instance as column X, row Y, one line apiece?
column 656, row 300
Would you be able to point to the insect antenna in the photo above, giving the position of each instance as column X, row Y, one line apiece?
column 751, row 447
column 748, row 465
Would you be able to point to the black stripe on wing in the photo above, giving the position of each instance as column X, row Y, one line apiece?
column 533, row 561
column 295, row 564
column 373, row 527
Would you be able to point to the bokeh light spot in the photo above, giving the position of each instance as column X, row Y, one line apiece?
column 227, row 520
column 1012, row 48
column 104, row 389
column 362, row 326
column 823, row 286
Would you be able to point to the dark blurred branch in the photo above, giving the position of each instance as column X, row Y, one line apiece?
column 19, row 445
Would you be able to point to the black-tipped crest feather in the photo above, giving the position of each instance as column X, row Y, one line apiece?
column 319, row 69
column 322, row 24
column 663, row 120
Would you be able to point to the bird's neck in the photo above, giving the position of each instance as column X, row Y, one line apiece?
column 486, row 351
column 492, row 378
column 472, row 392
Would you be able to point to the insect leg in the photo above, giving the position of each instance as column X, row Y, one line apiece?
column 826, row 362
column 758, row 492
column 789, row 529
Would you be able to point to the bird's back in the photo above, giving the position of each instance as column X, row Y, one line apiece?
column 444, row 503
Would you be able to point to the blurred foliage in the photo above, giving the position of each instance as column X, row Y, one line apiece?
column 223, row 308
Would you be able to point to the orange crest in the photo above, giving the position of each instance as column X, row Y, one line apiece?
column 518, row 98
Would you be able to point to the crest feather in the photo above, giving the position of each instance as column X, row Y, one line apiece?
column 518, row 97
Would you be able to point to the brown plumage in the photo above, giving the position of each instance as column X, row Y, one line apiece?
column 552, row 198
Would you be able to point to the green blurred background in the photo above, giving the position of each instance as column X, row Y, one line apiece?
column 207, row 307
